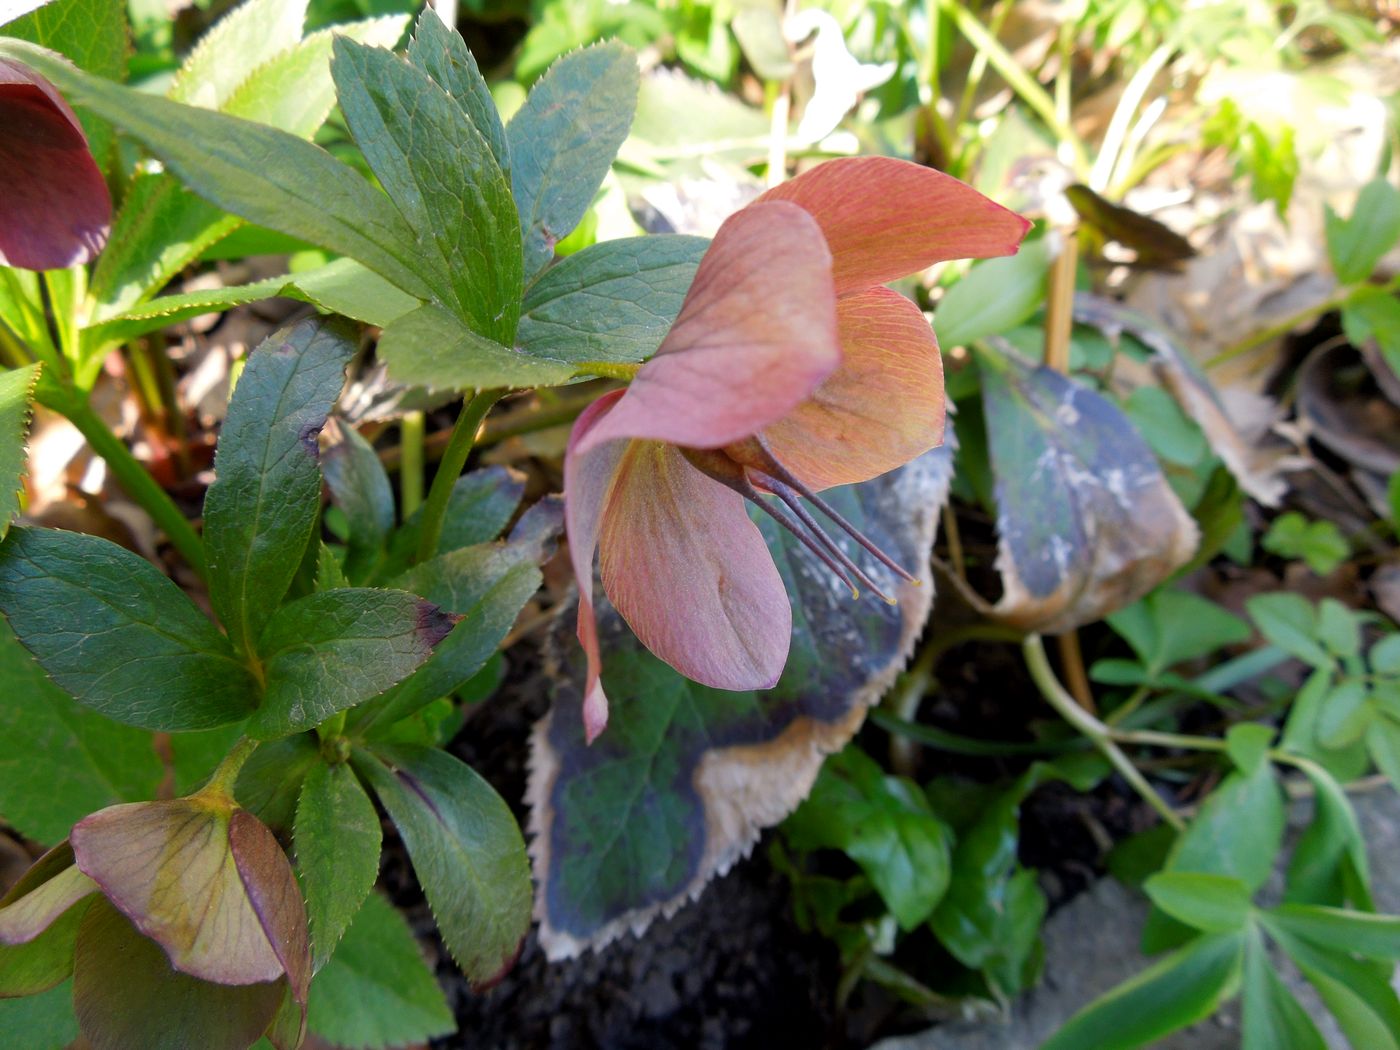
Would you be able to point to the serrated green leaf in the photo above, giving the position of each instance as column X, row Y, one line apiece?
column 441, row 53
column 885, row 825
column 329, row 574
column 1185, row 987
column 1356, row 244
column 259, row 173
column 466, row 849
column 242, row 40
column 1213, row 903
column 995, row 296
column 360, row 487
column 641, row 818
column 429, row 347
column 1273, row 1018
column 377, row 991
column 16, row 394
column 439, row 171
column 334, row 649
column 260, row 511
column 613, row 301
column 58, row 760
column 563, row 141
column 118, row 636
column 337, row 851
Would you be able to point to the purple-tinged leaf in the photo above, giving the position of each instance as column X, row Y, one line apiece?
column 687, row 776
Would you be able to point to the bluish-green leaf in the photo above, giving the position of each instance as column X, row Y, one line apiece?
column 466, row 849
column 563, row 141
column 334, row 649
column 260, row 511
column 441, row 174
column 442, row 54
column 117, row 635
column 377, row 991
column 481, row 505
column 337, row 851
column 613, row 301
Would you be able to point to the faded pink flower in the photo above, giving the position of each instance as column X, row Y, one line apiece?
column 789, row 369
column 55, row 210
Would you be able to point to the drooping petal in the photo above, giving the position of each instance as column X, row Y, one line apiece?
column 48, row 889
column 756, row 335
column 169, row 867
column 880, row 409
column 690, row 573
column 886, row 218
column 587, row 477
column 276, row 899
column 54, row 209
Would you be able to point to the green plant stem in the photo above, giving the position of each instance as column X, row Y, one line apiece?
column 454, row 458
column 1038, row 663
column 133, row 477
column 608, row 369
column 1332, row 302
column 224, row 778
column 411, row 462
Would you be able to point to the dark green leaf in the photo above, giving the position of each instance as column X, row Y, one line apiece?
column 1213, row 903
column 641, row 819
column 613, row 301
column 1362, row 1001
column 337, row 851
column 334, row 649
column 1356, row 244
column 428, row 347
column 441, row 53
column 481, row 505
column 377, row 991
column 330, row 575
column 59, row 761
column 1329, row 862
column 16, row 393
column 882, row 823
column 266, row 176
column 269, row 785
column 1273, row 1018
column 260, row 511
column 466, row 850
column 359, row 486
column 1185, row 987
column 118, row 636
column 563, row 141
column 1087, row 522
column 440, row 172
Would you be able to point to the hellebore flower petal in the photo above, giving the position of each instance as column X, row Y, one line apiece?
column 49, row 888
column 755, row 335
column 55, row 210
column 587, row 477
column 885, row 218
column 126, row 994
column 180, row 873
column 880, row 409
column 690, row 572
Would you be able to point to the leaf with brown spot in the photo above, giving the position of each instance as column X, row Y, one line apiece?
column 685, row 778
column 1087, row 522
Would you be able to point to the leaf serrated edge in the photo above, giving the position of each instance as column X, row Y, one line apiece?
column 26, row 419
column 747, row 772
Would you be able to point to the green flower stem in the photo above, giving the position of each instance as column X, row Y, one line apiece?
column 411, row 462
column 608, row 369
column 222, row 782
column 454, row 458
column 1101, row 735
column 133, row 477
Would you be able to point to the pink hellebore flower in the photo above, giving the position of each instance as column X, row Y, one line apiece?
column 54, row 209
column 790, row 369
